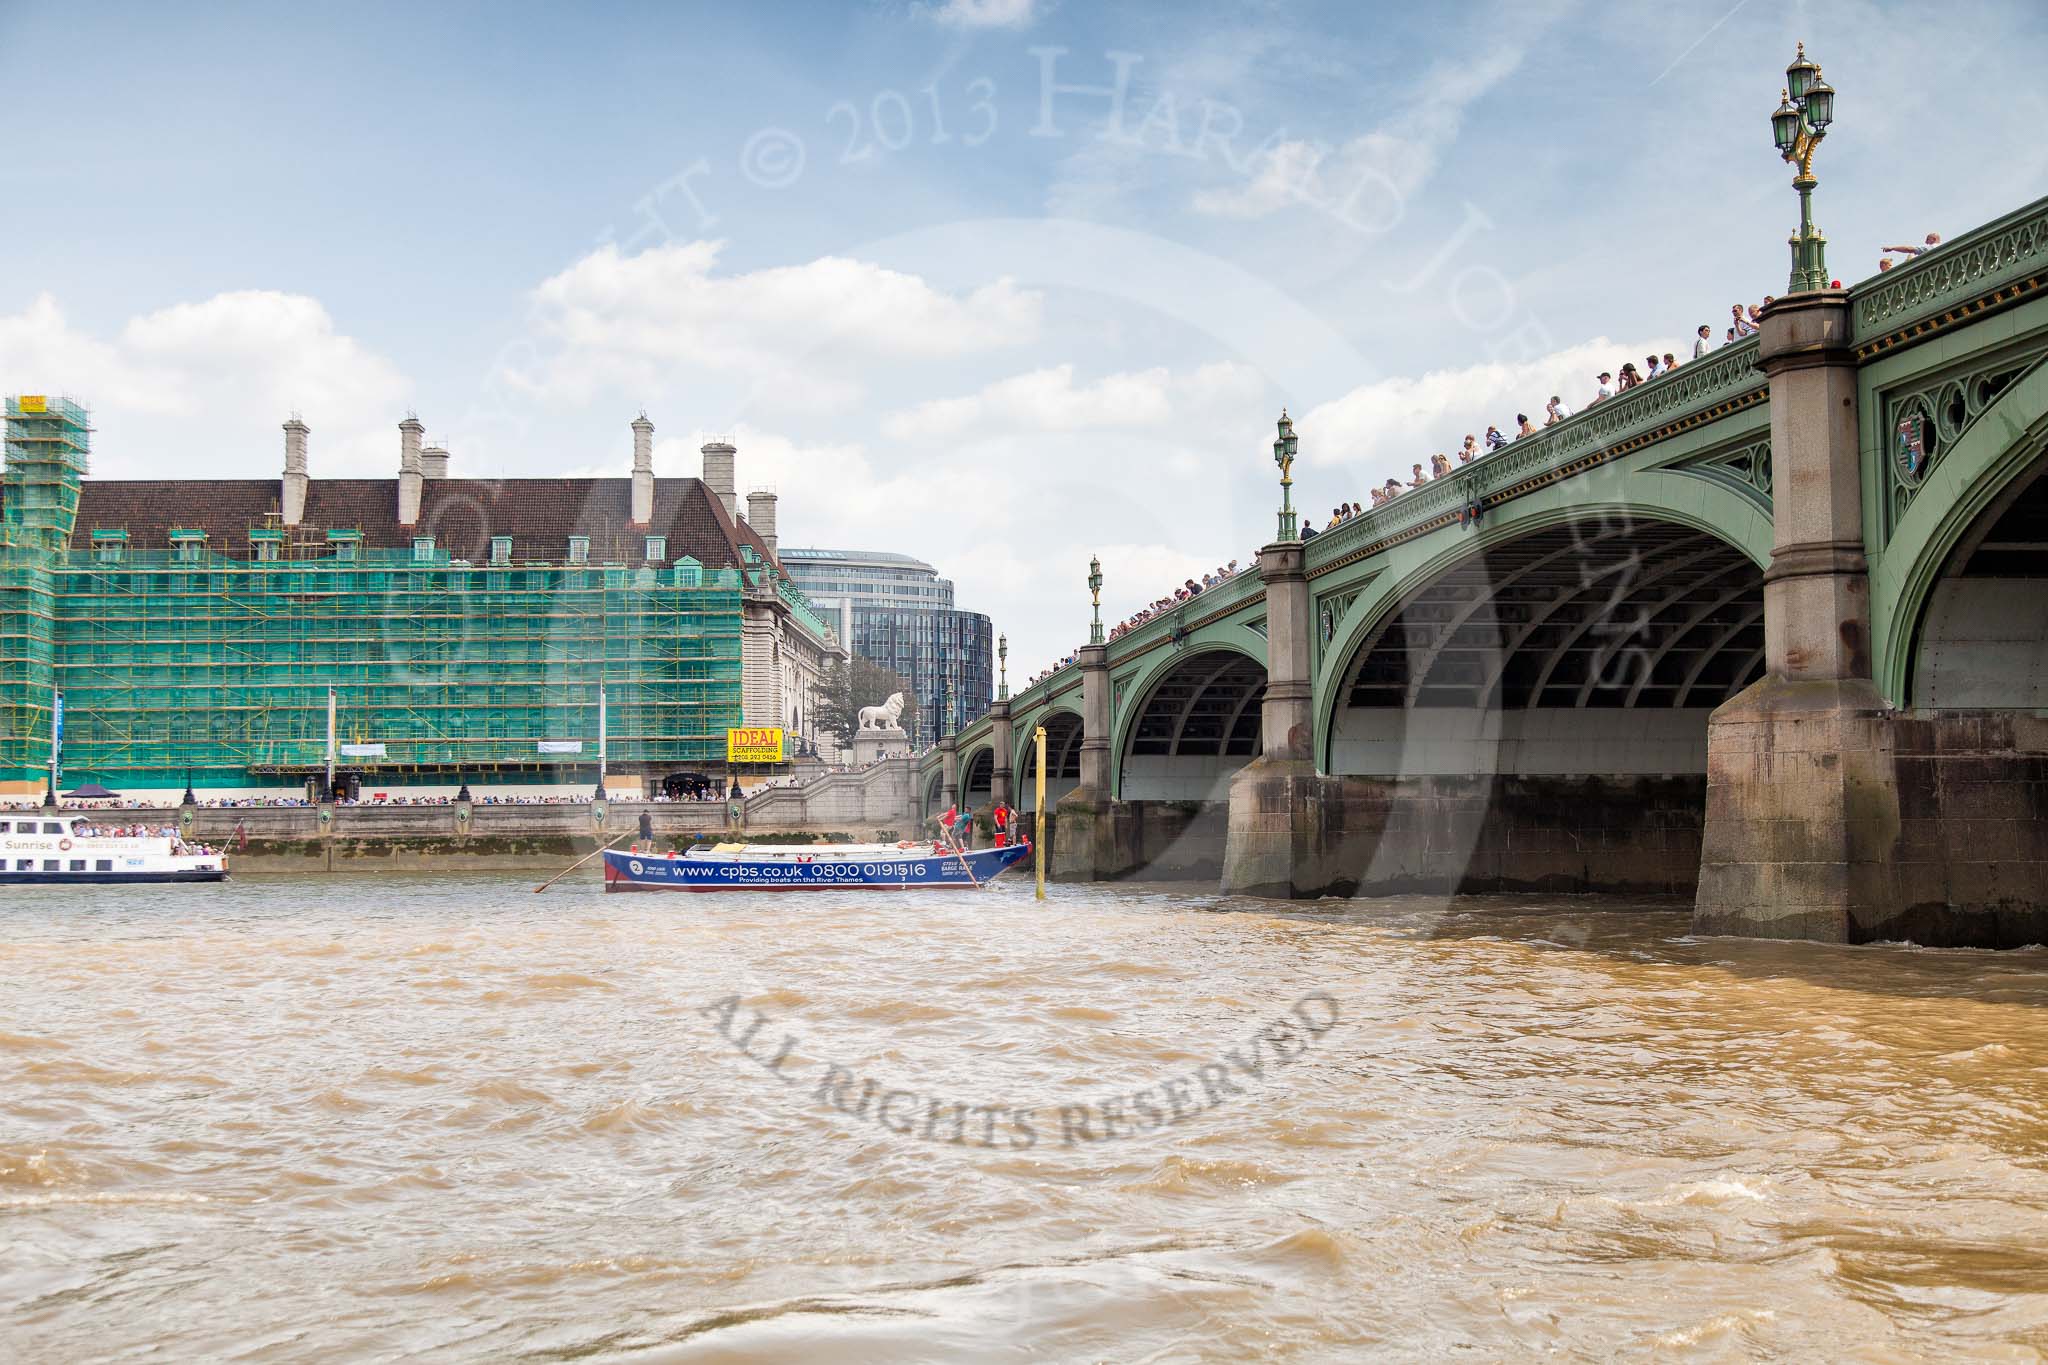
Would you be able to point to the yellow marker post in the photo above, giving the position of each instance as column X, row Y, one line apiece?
column 1038, row 849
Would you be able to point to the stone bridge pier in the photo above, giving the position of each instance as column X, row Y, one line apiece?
column 1831, row 814
column 1281, row 840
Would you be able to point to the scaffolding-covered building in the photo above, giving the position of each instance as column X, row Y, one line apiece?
column 177, row 630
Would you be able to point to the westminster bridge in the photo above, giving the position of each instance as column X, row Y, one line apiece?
column 1768, row 630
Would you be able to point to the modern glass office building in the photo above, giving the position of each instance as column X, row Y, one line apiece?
column 898, row 612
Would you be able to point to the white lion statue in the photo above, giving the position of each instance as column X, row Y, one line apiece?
column 885, row 716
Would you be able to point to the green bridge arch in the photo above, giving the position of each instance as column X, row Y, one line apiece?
column 2001, row 447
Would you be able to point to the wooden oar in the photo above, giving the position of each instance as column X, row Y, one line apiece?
column 968, row 868
column 573, row 866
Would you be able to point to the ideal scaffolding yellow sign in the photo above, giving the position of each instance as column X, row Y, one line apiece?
column 34, row 402
column 754, row 744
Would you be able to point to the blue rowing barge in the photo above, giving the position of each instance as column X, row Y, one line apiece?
column 771, row 867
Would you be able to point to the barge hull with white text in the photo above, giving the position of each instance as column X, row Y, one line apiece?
column 817, row 867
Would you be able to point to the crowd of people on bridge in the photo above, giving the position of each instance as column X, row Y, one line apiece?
column 1189, row 589
column 1744, row 321
column 1186, row 592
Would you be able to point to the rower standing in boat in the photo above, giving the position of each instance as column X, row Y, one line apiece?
column 964, row 831
column 999, row 817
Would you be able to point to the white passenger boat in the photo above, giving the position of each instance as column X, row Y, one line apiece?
column 47, row 846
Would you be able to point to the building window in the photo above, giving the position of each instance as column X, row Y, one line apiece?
column 187, row 551
column 266, row 551
column 108, row 552
column 422, row 548
column 501, row 549
column 579, row 549
column 657, row 549
column 345, row 550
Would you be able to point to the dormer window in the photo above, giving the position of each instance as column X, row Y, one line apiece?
column 579, row 549
column 109, row 546
column 422, row 549
column 501, row 549
column 186, row 544
column 657, row 549
column 344, row 544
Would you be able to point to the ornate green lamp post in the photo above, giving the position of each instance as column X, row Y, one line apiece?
column 1284, row 447
column 1805, row 109
column 1003, row 667
column 1095, row 593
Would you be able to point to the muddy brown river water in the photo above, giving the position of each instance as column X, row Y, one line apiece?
column 284, row 1120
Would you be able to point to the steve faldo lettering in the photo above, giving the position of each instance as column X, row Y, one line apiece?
column 927, row 1117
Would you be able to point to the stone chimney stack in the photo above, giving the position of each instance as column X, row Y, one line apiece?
column 761, row 516
column 410, row 477
column 718, row 475
column 291, row 502
column 434, row 462
column 643, row 471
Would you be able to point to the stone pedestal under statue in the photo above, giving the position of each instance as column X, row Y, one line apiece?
column 869, row 745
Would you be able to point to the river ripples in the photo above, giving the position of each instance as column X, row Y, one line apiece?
column 287, row 1120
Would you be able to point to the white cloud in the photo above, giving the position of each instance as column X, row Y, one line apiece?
column 983, row 13
column 1380, row 429
column 1050, row 400
column 1368, row 180
column 201, row 388
column 633, row 320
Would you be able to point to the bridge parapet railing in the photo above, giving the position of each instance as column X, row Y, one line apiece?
column 1223, row 599
column 1525, row 464
column 2007, row 251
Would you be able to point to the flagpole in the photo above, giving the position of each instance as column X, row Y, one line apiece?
column 601, row 722
column 56, row 741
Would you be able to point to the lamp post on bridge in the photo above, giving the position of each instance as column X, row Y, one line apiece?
column 1003, row 667
column 1284, row 447
column 1095, row 593
column 1806, row 107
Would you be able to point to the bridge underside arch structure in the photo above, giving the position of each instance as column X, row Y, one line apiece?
column 1193, row 723
column 1515, row 658
column 1062, row 757
column 1527, row 708
column 978, row 777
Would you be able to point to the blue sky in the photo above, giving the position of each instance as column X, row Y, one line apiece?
column 942, row 302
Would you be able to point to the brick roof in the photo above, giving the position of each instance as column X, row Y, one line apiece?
column 461, row 514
